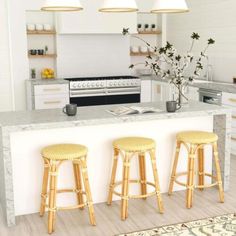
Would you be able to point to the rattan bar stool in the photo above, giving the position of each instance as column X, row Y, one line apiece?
column 194, row 142
column 53, row 157
column 126, row 149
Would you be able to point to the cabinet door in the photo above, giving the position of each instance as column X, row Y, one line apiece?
column 90, row 20
column 51, row 101
column 146, row 91
column 161, row 91
column 192, row 93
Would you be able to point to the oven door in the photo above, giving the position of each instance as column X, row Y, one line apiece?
column 105, row 96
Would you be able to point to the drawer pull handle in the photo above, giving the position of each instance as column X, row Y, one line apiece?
column 52, row 102
column 232, row 100
column 234, row 117
column 52, row 89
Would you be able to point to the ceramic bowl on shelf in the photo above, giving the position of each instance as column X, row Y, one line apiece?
column 134, row 49
column 47, row 27
column 39, row 27
column 30, row 27
column 143, row 49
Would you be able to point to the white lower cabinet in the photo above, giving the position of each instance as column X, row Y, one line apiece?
column 146, row 90
column 51, row 101
column 229, row 100
column 192, row 93
column 161, row 91
column 47, row 96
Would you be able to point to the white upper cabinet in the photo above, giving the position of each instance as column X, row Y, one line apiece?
column 91, row 21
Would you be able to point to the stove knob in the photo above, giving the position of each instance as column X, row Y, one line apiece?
column 111, row 84
column 119, row 83
column 73, row 86
column 115, row 83
column 97, row 84
column 83, row 85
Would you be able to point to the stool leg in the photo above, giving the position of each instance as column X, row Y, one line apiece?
column 190, row 177
column 52, row 197
column 156, row 180
column 113, row 176
column 87, row 190
column 218, row 172
column 125, row 187
column 44, row 188
column 78, row 184
column 172, row 180
column 142, row 171
column 201, row 170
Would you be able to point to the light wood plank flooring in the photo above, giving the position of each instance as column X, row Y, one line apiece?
column 142, row 215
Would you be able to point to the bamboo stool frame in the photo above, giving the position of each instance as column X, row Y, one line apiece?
column 125, row 196
column 193, row 151
column 51, row 168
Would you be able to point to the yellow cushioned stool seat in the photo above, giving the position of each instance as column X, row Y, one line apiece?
column 64, row 151
column 197, row 137
column 132, row 144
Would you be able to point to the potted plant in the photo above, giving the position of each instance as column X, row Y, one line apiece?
column 168, row 64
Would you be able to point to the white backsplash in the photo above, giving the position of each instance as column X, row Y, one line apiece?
column 92, row 55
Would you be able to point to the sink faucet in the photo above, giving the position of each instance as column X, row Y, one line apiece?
column 209, row 71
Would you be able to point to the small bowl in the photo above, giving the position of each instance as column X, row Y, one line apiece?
column 39, row 27
column 40, row 52
column 134, row 49
column 30, row 27
column 33, row 52
column 143, row 49
column 47, row 27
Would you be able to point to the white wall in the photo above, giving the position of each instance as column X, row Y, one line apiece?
column 5, row 76
column 210, row 18
column 18, row 44
column 92, row 55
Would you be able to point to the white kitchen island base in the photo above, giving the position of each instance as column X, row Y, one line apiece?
column 24, row 134
column 26, row 146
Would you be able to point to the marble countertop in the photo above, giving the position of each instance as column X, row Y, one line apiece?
column 98, row 115
column 218, row 86
column 47, row 81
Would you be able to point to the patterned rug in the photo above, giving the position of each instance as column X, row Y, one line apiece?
column 216, row 226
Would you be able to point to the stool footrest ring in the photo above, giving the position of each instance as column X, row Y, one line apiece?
column 195, row 186
column 135, row 196
column 69, row 207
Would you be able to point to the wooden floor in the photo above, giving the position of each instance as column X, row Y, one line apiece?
column 142, row 215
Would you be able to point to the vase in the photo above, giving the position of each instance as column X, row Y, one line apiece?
column 181, row 97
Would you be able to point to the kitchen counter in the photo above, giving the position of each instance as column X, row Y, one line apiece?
column 47, row 81
column 223, row 87
column 32, row 130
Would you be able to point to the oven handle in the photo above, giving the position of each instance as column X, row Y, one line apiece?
column 123, row 91
column 88, row 93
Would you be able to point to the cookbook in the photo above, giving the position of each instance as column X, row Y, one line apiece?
column 132, row 110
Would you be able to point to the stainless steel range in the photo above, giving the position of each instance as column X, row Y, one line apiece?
column 104, row 90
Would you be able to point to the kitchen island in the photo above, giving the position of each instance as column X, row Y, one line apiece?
column 24, row 134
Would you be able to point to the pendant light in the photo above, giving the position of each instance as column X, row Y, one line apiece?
column 119, row 6
column 170, row 6
column 62, row 5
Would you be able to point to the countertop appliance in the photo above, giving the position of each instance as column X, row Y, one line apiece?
column 104, row 90
column 210, row 96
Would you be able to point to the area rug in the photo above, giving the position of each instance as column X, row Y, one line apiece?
column 216, row 226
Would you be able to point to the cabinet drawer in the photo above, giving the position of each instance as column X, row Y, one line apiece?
column 51, row 102
column 51, row 89
column 229, row 99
